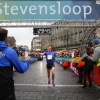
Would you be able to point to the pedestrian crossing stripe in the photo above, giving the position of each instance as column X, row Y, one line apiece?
column 47, row 85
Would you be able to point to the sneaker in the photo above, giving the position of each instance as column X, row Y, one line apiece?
column 53, row 84
column 48, row 81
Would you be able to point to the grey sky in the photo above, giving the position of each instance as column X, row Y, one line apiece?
column 23, row 36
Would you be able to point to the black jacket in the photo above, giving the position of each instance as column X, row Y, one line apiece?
column 88, row 63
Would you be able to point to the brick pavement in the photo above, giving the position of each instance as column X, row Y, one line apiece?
column 32, row 85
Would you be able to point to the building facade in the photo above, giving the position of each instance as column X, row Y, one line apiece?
column 97, row 32
column 36, row 43
column 63, row 37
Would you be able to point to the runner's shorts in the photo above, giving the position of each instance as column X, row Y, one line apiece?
column 49, row 66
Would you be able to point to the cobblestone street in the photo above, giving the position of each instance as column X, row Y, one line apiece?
column 32, row 85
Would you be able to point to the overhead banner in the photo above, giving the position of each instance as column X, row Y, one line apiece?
column 50, row 10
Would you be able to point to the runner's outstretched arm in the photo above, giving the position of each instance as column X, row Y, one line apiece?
column 41, row 54
column 62, row 51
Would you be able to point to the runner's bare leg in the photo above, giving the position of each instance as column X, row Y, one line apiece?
column 53, row 74
column 48, row 72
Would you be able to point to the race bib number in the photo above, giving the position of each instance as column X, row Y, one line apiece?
column 49, row 57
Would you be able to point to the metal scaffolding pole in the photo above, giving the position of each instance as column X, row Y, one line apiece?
column 67, row 39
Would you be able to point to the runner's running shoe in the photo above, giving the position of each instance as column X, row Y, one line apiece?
column 53, row 84
column 48, row 81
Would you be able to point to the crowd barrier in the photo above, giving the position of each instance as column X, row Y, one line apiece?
column 95, row 74
column 63, row 59
column 32, row 60
column 73, row 68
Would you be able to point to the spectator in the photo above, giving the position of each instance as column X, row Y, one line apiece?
column 88, row 66
column 96, row 54
column 8, row 59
